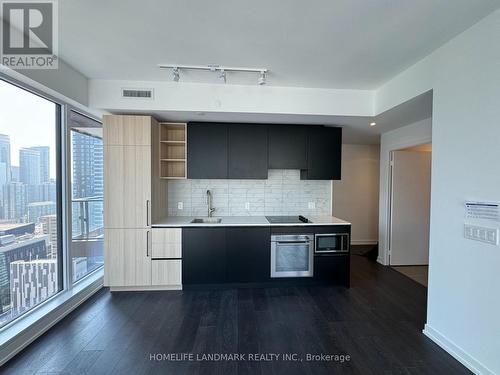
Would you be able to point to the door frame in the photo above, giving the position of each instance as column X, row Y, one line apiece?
column 391, row 197
column 384, row 198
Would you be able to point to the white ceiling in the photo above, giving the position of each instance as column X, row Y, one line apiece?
column 356, row 129
column 356, row 44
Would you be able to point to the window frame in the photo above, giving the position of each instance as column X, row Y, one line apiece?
column 63, row 199
column 69, row 196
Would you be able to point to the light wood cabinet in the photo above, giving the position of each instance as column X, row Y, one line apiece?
column 166, row 243
column 126, row 130
column 127, row 257
column 166, row 272
column 127, row 188
column 131, row 184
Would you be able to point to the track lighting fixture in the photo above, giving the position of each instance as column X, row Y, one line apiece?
column 222, row 75
column 262, row 78
column 175, row 74
column 221, row 70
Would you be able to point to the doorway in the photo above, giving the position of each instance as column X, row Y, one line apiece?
column 410, row 193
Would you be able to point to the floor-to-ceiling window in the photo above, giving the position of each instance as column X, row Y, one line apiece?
column 30, row 201
column 86, row 194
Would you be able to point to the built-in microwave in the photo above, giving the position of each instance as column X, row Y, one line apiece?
column 326, row 243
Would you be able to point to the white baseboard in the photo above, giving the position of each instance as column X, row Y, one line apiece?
column 364, row 242
column 144, row 288
column 455, row 351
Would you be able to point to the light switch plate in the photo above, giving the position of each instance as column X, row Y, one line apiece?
column 180, row 205
column 247, row 205
column 482, row 234
column 311, row 205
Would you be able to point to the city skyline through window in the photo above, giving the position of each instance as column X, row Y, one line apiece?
column 23, row 126
column 87, row 194
column 30, row 246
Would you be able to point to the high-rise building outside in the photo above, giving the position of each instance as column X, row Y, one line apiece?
column 87, row 159
column 31, row 282
column 15, row 248
column 44, row 162
column 14, row 173
column 29, row 166
column 80, row 268
column 49, row 227
column 38, row 209
column 14, row 199
column 5, row 157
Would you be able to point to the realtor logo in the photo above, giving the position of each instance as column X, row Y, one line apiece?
column 29, row 34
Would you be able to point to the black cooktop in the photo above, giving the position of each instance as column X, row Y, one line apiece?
column 287, row 219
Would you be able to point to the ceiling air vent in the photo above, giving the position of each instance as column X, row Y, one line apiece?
column 137, row 93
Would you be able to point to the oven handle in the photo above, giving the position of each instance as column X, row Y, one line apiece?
column 292, row 242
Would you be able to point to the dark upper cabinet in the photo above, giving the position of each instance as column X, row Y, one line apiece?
column 241, row 151
column 207, row 150
column 287, row 147
column 248, row 254
column 248, row 149
column 324, row 153
column 203, row 255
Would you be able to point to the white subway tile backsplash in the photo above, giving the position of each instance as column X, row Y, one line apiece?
column 283, row 193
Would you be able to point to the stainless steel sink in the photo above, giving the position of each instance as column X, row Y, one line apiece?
column 206, row 220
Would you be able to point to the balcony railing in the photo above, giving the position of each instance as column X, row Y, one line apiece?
column 87, row 219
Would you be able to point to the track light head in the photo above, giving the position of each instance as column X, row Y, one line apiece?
column 215, row 68
column 262, row 78
column 175, row 74
column 222, row 75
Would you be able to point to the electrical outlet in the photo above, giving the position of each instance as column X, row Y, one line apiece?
column 483, row 234
column 311, row 205
column 247, row 205
column 180, row 205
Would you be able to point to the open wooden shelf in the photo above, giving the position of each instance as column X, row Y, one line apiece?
column 173, row 169
column 173, row 150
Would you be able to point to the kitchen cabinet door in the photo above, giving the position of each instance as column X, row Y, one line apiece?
column 248, row 254
column 324, row 153
column 127, row 187
column 203, row 255
column 287, row 147
column 127, row 130
column 248, row 151
column 166, row 243
column 207, row 150
column 127, row 257
column 332, row 268
column 166, row 272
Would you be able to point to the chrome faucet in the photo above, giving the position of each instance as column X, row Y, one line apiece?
column 209, row 203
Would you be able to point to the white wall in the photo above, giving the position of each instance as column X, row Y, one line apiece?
column 355, row 197
column 464, row 277
column 407, row 136
column 168, row 96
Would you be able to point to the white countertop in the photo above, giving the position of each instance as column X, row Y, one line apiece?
column 244, row 221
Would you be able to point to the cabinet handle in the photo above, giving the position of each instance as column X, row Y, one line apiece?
column 147, row 243
column 147, row 212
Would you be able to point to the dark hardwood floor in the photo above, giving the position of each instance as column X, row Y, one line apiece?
column 377, row 322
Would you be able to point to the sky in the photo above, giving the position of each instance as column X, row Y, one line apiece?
column 29, row 120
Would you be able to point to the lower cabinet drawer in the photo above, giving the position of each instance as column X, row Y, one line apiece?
column 166, row 243
column 166, row 272
column 166, row 250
